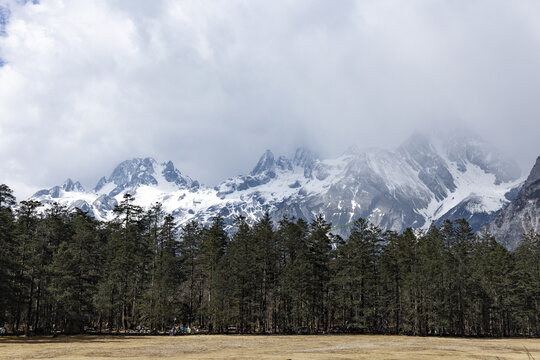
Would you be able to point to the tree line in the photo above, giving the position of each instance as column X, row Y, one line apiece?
column 63, row 271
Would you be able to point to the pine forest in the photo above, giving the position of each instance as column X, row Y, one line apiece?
column 65, row 272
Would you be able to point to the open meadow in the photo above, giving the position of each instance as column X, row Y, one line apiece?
column 266, row 347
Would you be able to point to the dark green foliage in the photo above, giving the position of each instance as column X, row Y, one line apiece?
column 75, row 270
column 214, row 241
column 358, row 262
column 64, row 271
column 161, row 299
column 243, row 276
column 294, row 282
column 8, row 265
column 29, row 257
column 318, row 269
column 526, row 282
column 127, row 252
column 191, row 289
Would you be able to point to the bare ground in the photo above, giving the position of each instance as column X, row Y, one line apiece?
column 266, row 347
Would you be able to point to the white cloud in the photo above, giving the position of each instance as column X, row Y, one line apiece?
column 210, row 85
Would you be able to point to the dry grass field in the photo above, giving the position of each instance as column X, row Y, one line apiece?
column 266, row 347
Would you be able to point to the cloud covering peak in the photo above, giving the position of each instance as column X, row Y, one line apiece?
column 85, row 85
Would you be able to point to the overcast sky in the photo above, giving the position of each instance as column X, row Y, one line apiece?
column 212, row 84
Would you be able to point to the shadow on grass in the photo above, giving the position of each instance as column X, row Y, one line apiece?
column 59, row 339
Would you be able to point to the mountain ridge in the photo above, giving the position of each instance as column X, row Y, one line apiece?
column 426, row 179
column 522, row 213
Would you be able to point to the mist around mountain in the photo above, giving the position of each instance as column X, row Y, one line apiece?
column 242, row 256
column 427, row 179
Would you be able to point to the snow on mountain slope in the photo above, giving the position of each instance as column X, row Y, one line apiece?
column 522, row 214
column 146, row 179
column 477, row 194
column 426, row 179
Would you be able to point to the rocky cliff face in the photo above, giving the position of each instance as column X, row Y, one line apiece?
column 130, row 176
column 426, row 179
column 522, row 214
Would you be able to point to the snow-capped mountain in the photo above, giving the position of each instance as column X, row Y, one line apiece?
column 426, row 179
column 147, row 178
column 522, row 214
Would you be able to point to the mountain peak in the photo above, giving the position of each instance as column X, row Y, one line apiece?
column 173, row 175
column 55, row 191
column 418, row 142
column 462, row 147
column 534, row 175
column 69, row 185
column 411, row 186
column 266, row 162
column 304, row 157
column 130, row 174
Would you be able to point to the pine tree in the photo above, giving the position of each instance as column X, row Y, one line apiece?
column 213, row 246
column 361, row 271
column 7, row 253
column 189, row 249
column 295, row 273
column 527, row 282
column 52, row 230
column 319, row 247
column 492, row 268
column 167, row 276
column 243, row 275
column 27, row 223
column 265, row 255
column 398, row 272
column 153, row 220
column 75, row 272
column 127, row 249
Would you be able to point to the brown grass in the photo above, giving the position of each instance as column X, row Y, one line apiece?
column 266, row 347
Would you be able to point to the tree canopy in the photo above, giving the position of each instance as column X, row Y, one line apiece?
column 64, row 271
